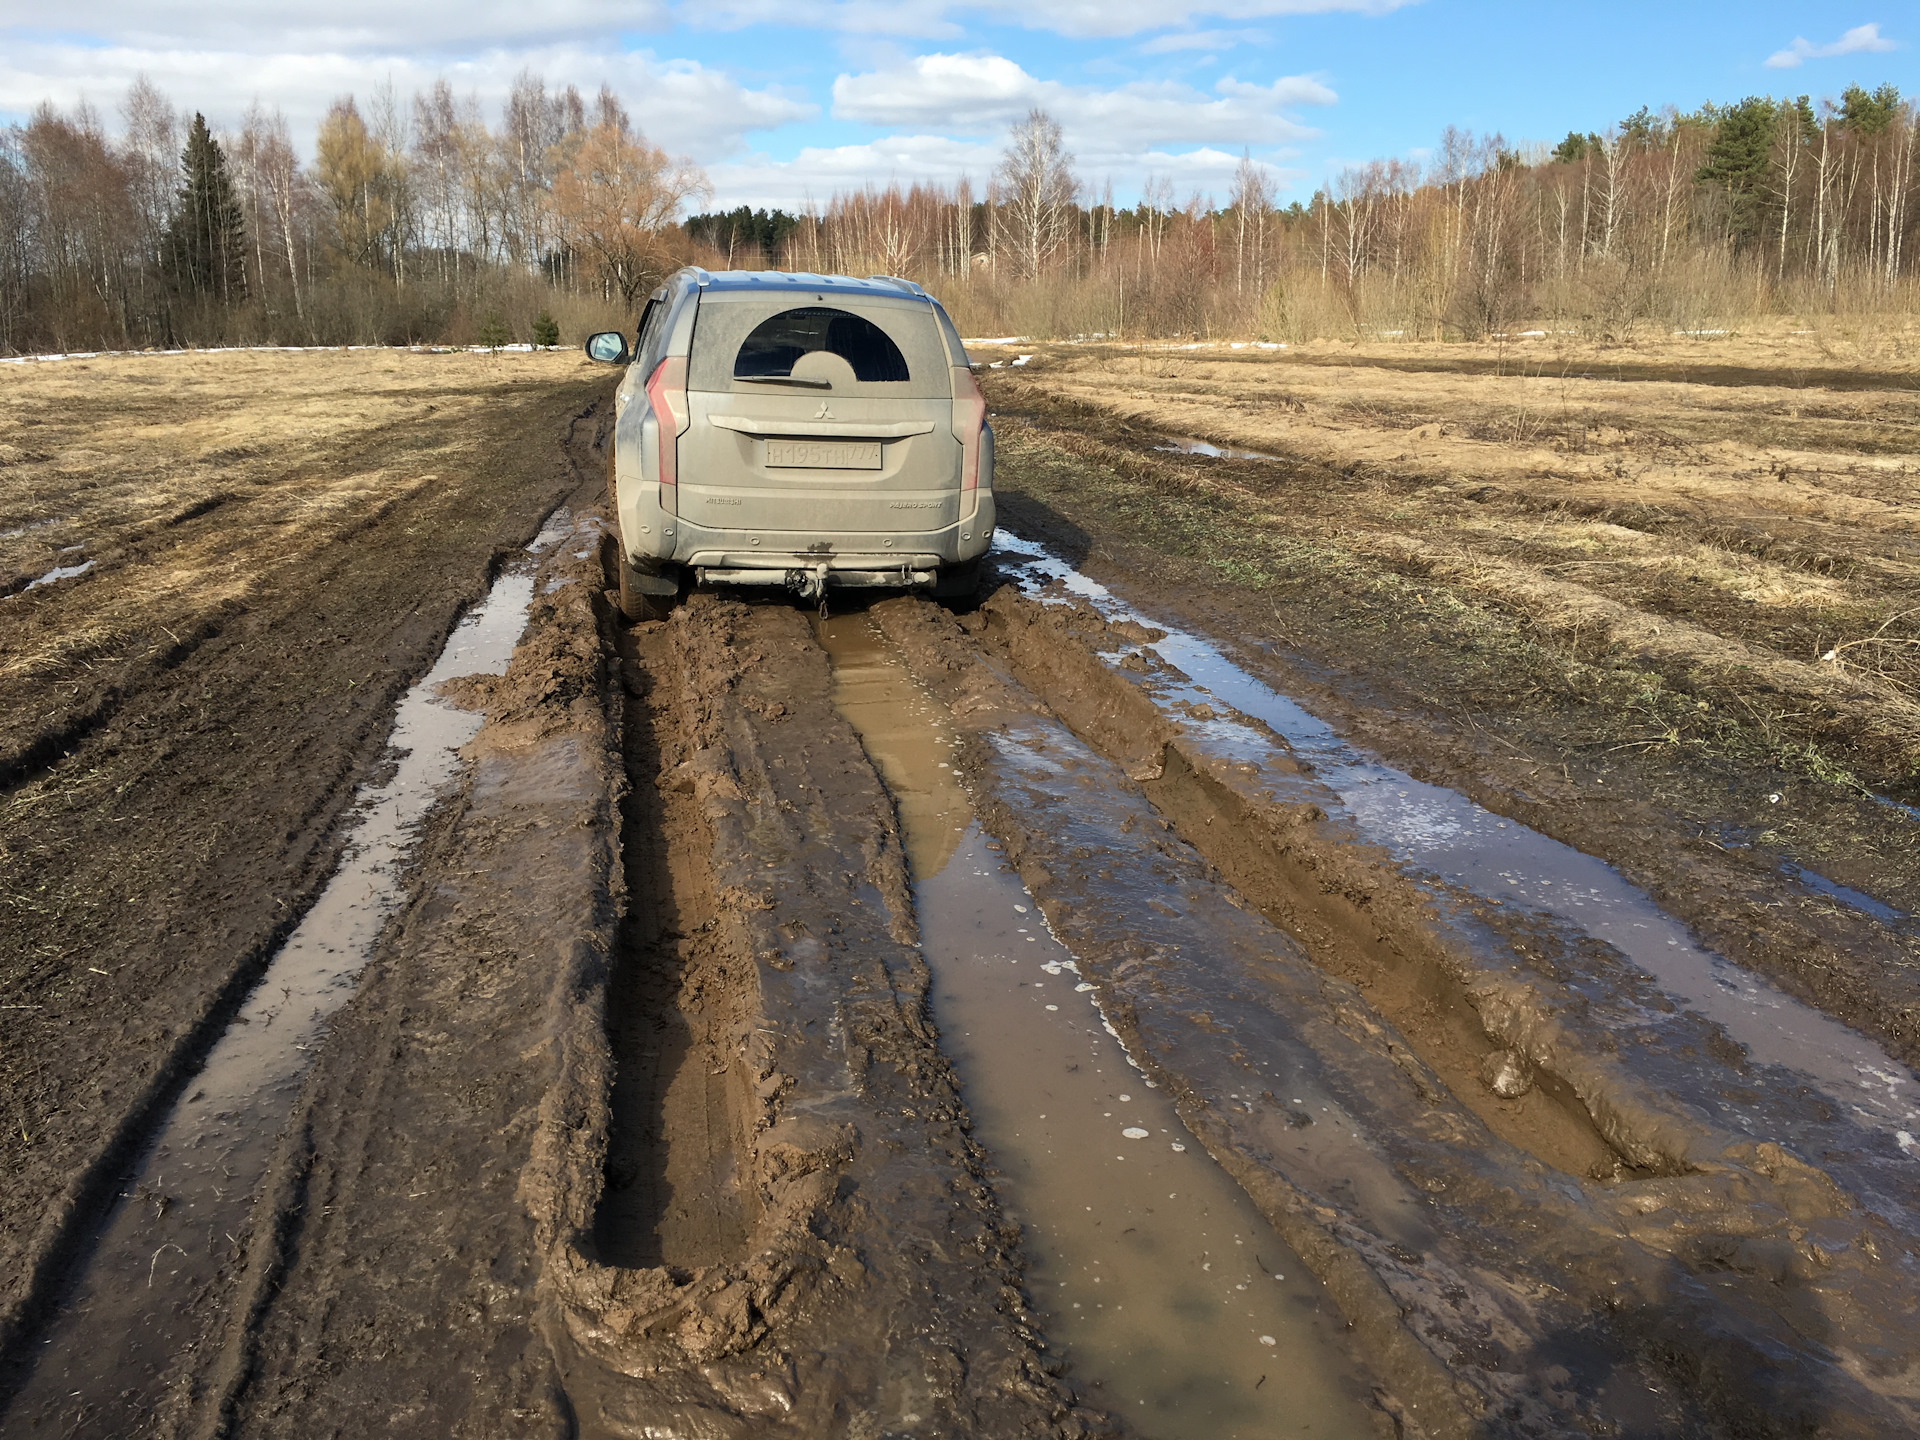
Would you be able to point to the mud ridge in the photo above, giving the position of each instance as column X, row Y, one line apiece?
column 1355, row 915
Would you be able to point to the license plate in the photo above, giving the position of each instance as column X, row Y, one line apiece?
column 824, row 454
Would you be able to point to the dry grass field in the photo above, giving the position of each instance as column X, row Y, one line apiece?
column 105, row 462
column 1750, row 538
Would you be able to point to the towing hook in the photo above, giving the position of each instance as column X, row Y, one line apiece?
column 810, row 583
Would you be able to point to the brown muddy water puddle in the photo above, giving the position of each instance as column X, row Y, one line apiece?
column 1178, row 1306
column 106, row 1359
column 1441, row 833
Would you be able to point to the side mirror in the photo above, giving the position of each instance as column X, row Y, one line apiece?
column 609, row 347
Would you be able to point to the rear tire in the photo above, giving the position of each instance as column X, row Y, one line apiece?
column 638, row 604
column 958, row 582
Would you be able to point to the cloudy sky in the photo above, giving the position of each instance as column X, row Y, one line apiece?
column 782, row 100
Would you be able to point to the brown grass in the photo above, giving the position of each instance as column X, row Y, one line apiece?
column 1750, row 546
column 105, row 460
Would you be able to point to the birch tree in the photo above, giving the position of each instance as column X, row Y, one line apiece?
column 1037, row 191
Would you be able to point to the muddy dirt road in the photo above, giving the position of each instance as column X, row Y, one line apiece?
column 1060, row 1014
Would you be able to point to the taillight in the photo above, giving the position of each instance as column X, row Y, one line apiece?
column 969, row 417
column 667, row 395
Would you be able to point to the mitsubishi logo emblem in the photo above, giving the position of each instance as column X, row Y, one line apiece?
column 825, row 413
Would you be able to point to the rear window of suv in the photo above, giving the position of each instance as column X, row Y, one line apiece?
column 893, row 345
column 777, row 343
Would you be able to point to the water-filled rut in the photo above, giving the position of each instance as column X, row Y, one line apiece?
column 130, row 1316
column 1177, row 1304
column 1435, row 833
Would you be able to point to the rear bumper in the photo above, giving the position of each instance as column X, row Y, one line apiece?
column 818, row 577
column 654, row 539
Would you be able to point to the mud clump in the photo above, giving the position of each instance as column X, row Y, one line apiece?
column 1508, row 1074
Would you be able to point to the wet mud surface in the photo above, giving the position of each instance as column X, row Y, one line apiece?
column 1168, row 1293
column 175, row 800
column 1029, row 1017
column 1627, row 658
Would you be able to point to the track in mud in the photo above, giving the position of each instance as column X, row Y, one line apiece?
column 794, row 1029
column 1417, row 1046
column 1174, row 1299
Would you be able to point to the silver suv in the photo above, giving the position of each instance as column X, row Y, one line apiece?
column 795, row 430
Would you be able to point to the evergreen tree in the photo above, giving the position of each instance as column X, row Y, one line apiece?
column 1737, row 160
column 1869, row 113
column 546, row 330
column 1643, row 129
column 1572, row 150
column 206, row 238
column 744, row 232
column 494, row 332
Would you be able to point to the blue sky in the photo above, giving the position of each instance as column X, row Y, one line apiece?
column 782, row 100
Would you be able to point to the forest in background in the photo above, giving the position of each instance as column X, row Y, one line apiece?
column 424, row 220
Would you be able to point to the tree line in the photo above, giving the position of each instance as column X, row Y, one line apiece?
column 424, row 220
column 1726, row 212
column 415, row 221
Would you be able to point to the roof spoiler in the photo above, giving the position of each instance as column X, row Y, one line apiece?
column 906, row 285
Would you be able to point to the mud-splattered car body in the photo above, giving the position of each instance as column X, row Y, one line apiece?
column 799, row 430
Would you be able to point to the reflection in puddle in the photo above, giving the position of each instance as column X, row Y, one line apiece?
column 58, row 573
column 110, row 1352
column 1846, row 895
column 1178, row 1304
column 1443, row 833
column 1187, row 445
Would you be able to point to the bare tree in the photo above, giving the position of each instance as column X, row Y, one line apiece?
column 150, row 152
column 1252, row 202
column 351, row 168
column 618, row 194
column 1038, row 188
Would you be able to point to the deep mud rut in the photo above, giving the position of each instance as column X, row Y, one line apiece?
column 792, row 1027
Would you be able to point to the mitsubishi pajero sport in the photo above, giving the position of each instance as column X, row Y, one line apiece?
column 795, row 430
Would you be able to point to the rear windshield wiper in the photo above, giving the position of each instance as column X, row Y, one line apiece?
column 785, row 380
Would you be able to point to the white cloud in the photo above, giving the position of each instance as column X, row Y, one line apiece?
column 1862, row 39
column 813, row 176
column 683, row 106
column 981, row 94
column 1202, row 40
column 817, row 172
column 943, row 19
column 349, row 26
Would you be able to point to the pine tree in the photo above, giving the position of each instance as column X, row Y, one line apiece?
column 494, row 332
column 1868, row 113
column 546, row 330
column 206, row 238
column 1738, row 158
column 1572, row 150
